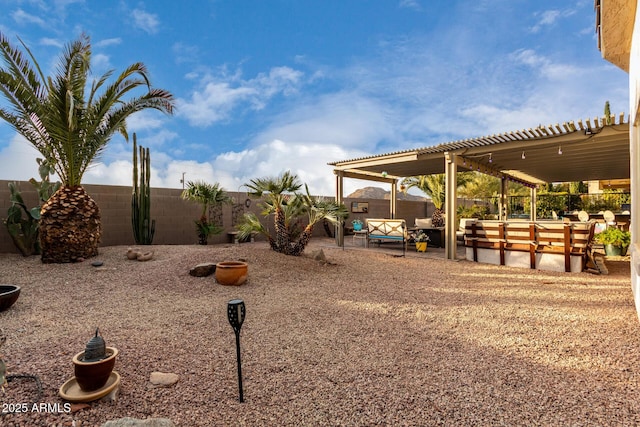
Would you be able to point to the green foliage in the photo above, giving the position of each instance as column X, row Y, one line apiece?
column 474, row 211
column 614, row 236
column 24, row 231
column 283, row 201
column 209, row 196
column 421, row 237
column 143, row 227
column 68, row 126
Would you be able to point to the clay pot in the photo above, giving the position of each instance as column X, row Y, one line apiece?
column 93, row 375
column 231, row 272
column 8, row 295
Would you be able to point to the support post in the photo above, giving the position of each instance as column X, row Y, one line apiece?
column 533, row 214
column 451, row 200
column 503, row 200
column 394, row 195
column 339, row 234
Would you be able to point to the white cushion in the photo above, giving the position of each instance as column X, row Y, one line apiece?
column 423, row 223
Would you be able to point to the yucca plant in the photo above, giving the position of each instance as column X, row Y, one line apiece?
column 70, row 123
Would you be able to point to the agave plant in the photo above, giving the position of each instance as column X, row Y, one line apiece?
column 70, row 123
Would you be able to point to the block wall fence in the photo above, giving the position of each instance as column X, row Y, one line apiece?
column 174, row 216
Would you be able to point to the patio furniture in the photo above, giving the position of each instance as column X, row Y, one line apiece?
column 361, row 235
column 388, row 230
column 544, row 245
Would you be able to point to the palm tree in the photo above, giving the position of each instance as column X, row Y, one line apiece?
column 209, row 196
column 434, row 187
column 288, row 206
column 71, row 128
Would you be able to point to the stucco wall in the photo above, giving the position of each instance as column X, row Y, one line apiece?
column 174, row 216
column 634, row 146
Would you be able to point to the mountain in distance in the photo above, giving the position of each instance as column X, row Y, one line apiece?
column 379, row 193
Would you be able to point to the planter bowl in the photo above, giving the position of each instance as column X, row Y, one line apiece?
column 8, row 296
column 231, row 273
column 93, row 375
column 613, row 250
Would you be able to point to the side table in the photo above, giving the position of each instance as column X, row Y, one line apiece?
column 361, row 234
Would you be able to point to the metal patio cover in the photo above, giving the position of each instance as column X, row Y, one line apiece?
column 572, row 151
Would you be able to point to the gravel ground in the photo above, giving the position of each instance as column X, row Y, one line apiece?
column 368, row 339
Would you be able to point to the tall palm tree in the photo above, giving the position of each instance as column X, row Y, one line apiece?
column 288, row 206
column 71, row 128
column 207, row 195
column 434, row 187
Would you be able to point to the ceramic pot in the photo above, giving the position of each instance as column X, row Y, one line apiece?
column 612, row 250
column 8, row 295
column 94, row 375
column 231, row 272
column 421, row 246
column 357, row 227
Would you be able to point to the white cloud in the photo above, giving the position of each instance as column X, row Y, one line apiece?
column 146, row 21
column 18, row 160
column 545, row 66
column 410, row 4
column 223, row 93
column 100, row 63
column 233, row 169
column 108, row 42
column 550, row 18
column 344, row 119
column 46, row 41
column 23, row 18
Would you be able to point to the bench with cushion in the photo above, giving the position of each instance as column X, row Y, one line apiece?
column 388, row 230
column 545, row 245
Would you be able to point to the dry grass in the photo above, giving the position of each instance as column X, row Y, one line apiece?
column 369, row 340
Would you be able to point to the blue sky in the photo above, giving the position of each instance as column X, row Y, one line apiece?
column 264, row 86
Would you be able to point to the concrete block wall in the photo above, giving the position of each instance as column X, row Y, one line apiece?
column 175, row 217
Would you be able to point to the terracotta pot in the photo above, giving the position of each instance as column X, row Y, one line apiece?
column 8, row 295
column 231, row 272
column 93, row 375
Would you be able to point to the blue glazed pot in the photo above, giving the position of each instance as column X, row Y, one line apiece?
column 357, row 227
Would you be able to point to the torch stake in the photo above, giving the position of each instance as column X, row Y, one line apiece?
column 236, row 312
column 239, row 365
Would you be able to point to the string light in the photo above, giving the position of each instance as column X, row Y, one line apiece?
column 490, row 159
column 560, row 150
column 523, row 156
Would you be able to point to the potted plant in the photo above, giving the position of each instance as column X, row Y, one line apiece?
column 421, row 240
column 357, row 224
column 615, row 241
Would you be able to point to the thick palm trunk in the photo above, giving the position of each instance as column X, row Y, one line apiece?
column 70, row 227
column 282, row 233
column 303, row 241
column 437, row 219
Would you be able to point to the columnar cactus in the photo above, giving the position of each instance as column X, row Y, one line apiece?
column 143, row 227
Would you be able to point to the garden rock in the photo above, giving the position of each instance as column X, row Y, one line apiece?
column 162, row 379
column 144, row 256
column 132, row 253
column 134, row 422
column 203, row 270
